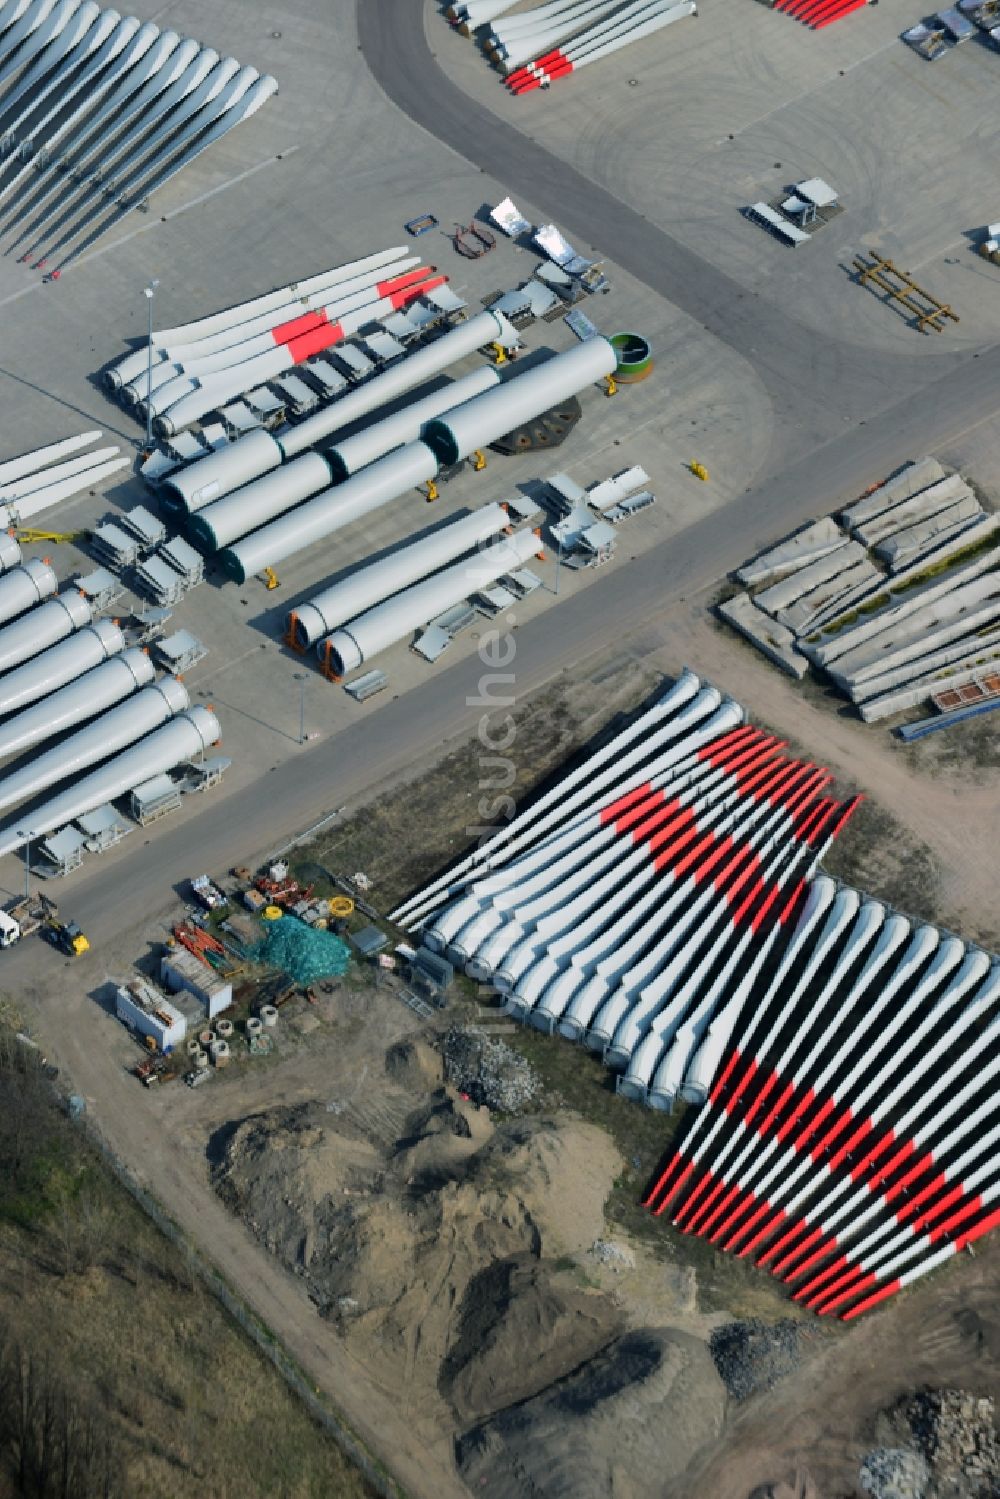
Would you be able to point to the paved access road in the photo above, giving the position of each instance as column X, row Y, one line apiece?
column 813, row 383
column 116, row 893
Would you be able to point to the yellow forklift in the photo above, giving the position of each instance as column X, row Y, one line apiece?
column 65, row 935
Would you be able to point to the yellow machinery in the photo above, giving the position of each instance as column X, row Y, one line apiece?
column 270, row 579
column 610, row 385
column 66, row 935
column 28, row 535
column 478, row 461
column 499, row 353
column 699, row 470
column 432, row 490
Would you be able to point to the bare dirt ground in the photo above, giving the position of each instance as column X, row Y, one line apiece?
column 927, row 843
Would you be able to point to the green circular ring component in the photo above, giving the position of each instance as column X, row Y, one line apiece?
column 635, row 358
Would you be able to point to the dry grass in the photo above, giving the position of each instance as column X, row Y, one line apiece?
column 96, row 1292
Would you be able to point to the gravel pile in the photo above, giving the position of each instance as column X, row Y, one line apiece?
column 616, row 1256
column 955, row 1432
column 894, row 1473
column 489, row 1071
column 752, row 1356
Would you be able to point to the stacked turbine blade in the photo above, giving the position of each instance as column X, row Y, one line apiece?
column 662, row 904
column 632, row 24
column 97, row 112
column 849, row 1140
column 533, row 48
column 625, row 909
column 189, row 371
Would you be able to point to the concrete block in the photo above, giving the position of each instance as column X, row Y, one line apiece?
column 780, row 595
column 813, row 541
column 830, row 595
column 903, row 547
column 932, row 661
column 773, row 640
column 919, row 507
column 947, row 618
column 915, row 477
column 946, row 543
column 919, row 691
column 847, row 639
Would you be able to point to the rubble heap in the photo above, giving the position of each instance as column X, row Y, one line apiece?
column 489, row 1071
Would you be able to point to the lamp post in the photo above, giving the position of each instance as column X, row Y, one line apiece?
column 149, row 292
column 301, row 678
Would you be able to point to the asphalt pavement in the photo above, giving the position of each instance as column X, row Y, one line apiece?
column 117, row 892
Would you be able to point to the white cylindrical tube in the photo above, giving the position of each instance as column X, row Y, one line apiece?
column 521, row 398
column 382, row 626
column 90, row 694
column 329, row 511
column 184, row 738
column 220, row 473
column 111, row 732
column 366, row 586
column 60, row 664
column 406, row 425
column 258, row 503
column 24, row 586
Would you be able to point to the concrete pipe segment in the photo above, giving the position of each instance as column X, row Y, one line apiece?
column 330, row 510
column 519, row 399
column 184, row 738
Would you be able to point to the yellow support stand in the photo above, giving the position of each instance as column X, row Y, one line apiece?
column 499, row 353
column 26, row 534
column 270, row 579
column 432, row 490
column 699, row 470
column 478, row 461
column 610, row 385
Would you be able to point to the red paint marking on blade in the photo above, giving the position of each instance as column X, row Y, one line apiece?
column 937, row 1184
column 812, row 1290
column 663, row 1183
column 786, row 1240
column 778, row 1217
column 791, row 1269
column 724, row 1076
column 615, row 809
column 308, row 344
column 775, row 1109
column 772, row 1254
column 705, row 1228
column 977, row 1231
column 411, row 293
column 830, row 1303
column 283, row 333
column 870, row 1301
column 955, row 1220
column 732, row 1214
column 683, row 1218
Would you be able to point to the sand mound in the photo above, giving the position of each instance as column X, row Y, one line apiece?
column 414, row 1065
column 641, row 1407
column 430, row 1253
column 509, row 1307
